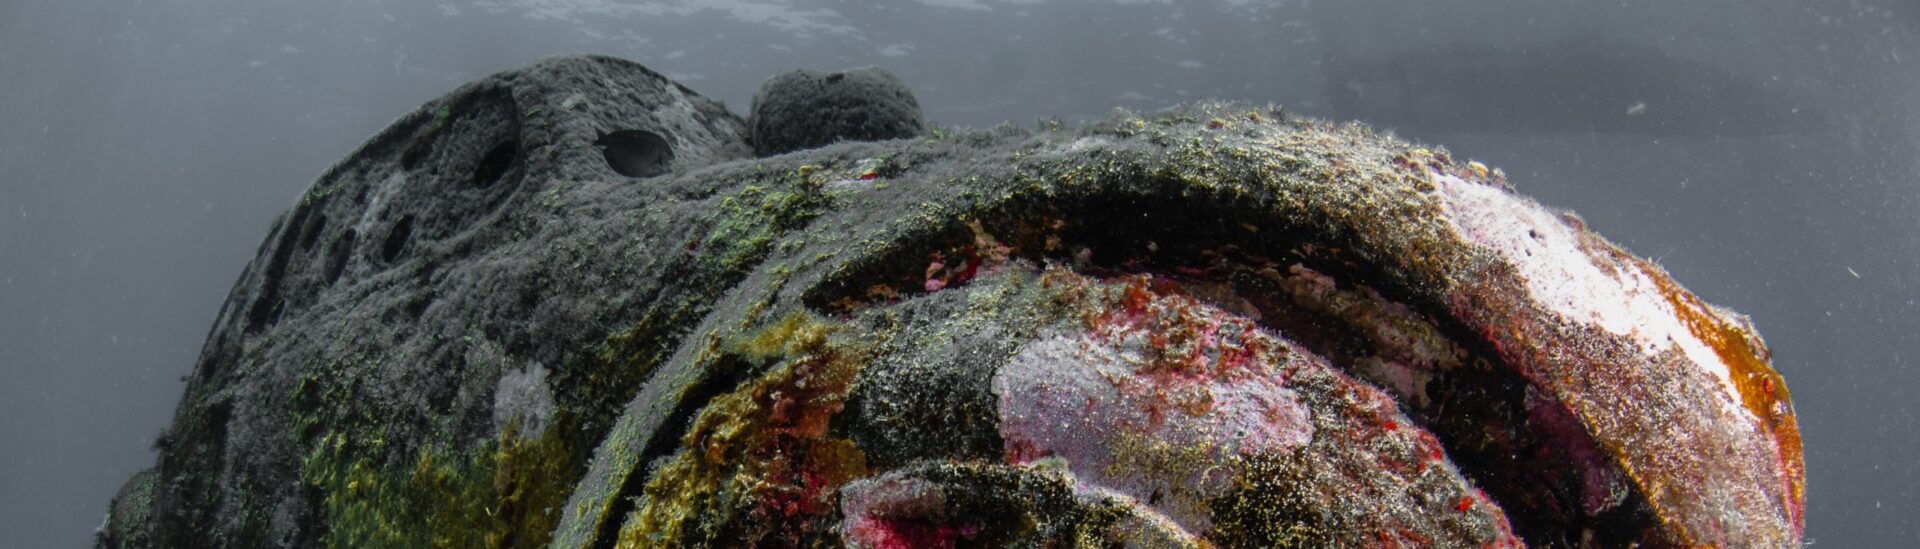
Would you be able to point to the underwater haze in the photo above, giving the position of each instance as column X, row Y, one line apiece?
column 1766, row 153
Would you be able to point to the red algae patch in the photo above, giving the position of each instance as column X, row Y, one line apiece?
column 899, row 513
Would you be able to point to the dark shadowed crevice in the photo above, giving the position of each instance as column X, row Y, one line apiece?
column 496, row 163
column 411, row 157
column 337, row 254
column 311, row 233
column 416, row 305
column 396, row 240
column 636, row 153
column 439, row 131
column 267, row 303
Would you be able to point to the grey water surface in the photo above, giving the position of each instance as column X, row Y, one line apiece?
column 1766, row 152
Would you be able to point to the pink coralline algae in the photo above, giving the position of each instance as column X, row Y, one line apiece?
column 1169, row 439
column 1175, row 403
column 1173, row 433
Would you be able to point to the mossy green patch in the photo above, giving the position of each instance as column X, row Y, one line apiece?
column 792, row 336
column 503, row 493
column 1269, row 508
column 596, row 386
column 759, row 464
column 752, row 218
column 130, row 517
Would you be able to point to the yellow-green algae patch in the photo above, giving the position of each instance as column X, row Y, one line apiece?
column 758, row 464
column 1272, row 504
column 751, row 219
column 504, row 493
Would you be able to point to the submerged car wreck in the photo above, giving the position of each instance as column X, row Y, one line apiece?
column 568, row 305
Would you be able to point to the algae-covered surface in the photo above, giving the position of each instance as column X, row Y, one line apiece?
column 1214, row 325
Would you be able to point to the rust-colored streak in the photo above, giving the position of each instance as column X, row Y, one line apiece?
column 1762, row 390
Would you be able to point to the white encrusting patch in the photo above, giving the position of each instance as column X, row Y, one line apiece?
column 1087, row 400
column 383, row 192
column 1089, row 142
column 1581, row 286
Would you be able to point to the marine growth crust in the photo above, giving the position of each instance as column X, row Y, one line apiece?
column 568, row 306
